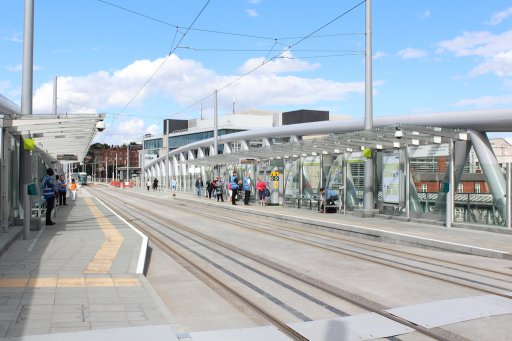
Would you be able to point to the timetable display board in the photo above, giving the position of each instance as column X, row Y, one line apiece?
column 391, row 178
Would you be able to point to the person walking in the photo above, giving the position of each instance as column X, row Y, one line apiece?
column 155, row 184
column 199, row 185
column 49, row 193
column 63, row 189
column 72, row 189
column 233, row 182
column 148, row 183
column 247, row 188
column 261, row 186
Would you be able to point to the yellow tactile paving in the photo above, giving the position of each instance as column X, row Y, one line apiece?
column 102, row 261
column 13, row 282
column 42, row 283
column 71, row 282
column 126, row 282
column 68, row 282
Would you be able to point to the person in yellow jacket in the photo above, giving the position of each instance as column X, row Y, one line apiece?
column 72, row 188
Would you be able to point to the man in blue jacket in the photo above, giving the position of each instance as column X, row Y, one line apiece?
column 233, row 182
column 49, row 191
column 247, row 188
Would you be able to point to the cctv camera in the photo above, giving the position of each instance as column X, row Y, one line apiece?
column 399, row 134
column 100, row 126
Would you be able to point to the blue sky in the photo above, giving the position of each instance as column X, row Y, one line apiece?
column 112, row 56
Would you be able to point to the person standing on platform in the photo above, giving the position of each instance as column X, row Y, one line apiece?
column 174, row 185
column 233, row 182
column 219, row 189
column 199, row 185
column 62, row 190
column 261, row 186
column 49, row 192
column 72, row 189
column 209, row 188
column 155, row 184
column 247, row 188
column 148, row 183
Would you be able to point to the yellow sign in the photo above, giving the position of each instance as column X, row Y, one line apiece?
column 274, row 176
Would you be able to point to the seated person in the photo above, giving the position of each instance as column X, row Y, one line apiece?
column 326, row 197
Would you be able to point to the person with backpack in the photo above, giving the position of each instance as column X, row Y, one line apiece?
column 233, row 182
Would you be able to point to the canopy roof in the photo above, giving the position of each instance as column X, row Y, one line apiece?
column 62, row 137
column 389, row 137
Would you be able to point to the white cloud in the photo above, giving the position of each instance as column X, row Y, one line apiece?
column 133, row 126
column 426, row 14
column 494, row 51
column 379, row 55
column 411, row 53
column 15, row 38
column 497, row 18
column 252, row 12
column 18, row 67
column 184, row 83
column 485, row 101
column 254, row 2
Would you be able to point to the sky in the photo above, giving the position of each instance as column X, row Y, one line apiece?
column 143, row 61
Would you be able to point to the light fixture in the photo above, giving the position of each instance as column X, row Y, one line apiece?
column 437, row 139
column 415, row 142
column 396, row 144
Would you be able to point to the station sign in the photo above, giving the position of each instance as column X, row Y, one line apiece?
column 274, row 176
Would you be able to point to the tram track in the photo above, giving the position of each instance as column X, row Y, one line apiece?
column 457, row 279
column 355, row 299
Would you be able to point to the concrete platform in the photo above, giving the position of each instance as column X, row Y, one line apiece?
column 80, row 279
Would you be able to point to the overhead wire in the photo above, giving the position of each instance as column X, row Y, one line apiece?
column 275, row 57
column 173, row 48
column 243, row 35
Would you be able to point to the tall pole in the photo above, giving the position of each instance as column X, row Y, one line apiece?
column 26, row 109
column 167, row 171
column 143, row 164
column 55, row 95
column 215, row 125
column 368, row 203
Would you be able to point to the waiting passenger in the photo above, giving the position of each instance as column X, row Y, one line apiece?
column 49, row 193
column 261, row 186
column 233, row 183
column 219, row 189
column 72, row 189
column 199, row 185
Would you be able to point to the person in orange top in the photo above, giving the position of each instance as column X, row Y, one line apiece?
column 72, row 188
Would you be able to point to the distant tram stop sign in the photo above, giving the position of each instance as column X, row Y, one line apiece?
column 274, row 176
